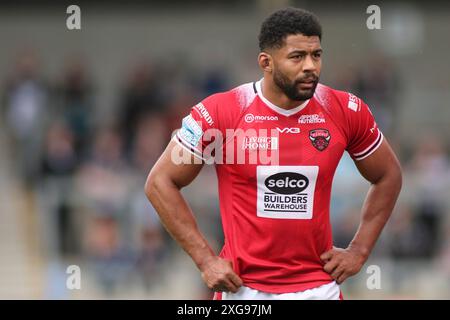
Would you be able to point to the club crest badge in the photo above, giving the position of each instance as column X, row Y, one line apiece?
column 320, row 138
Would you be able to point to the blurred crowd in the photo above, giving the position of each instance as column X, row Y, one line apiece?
column 87, row 174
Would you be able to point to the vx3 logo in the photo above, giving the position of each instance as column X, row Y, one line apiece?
column 289, row 130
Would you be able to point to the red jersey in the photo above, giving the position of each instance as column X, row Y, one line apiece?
column 275, row 214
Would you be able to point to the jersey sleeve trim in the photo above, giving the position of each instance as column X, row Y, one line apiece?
column 370, row 149
column 187, row 146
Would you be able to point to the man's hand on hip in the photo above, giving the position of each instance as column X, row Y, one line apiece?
column 343, row 263
column 218, row 274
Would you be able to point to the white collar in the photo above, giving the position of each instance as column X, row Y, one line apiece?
column 275, row 108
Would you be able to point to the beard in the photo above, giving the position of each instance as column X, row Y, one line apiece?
column 290, row 88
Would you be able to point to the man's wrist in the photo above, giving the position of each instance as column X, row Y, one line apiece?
column 204, row 260
column 361, row 250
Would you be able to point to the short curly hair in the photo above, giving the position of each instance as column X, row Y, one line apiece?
column 284, row 22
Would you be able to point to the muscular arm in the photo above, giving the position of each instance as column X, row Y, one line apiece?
column 382, row 170
column 162, row 188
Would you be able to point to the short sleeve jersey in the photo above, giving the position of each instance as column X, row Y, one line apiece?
column 275, row 169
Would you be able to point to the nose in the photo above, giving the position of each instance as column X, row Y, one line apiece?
column 308, row 64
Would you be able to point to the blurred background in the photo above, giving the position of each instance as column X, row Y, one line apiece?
column 85, row 114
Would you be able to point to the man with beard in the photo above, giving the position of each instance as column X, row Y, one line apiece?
column 275, row 214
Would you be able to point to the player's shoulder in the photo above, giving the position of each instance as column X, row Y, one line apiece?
column 239, row 97
column 223, row 108
column 335, row 100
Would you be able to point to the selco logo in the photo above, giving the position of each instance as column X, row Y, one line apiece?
column 287, row 182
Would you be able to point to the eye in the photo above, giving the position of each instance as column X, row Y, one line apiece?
column 317, row 54
column 297, row 56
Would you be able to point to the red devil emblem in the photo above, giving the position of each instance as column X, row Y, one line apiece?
column 320, row 138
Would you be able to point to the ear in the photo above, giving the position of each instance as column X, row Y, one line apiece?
column 265, row 61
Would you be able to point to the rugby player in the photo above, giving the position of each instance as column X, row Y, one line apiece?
column 275, row 209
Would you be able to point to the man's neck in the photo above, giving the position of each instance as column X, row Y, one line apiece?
column 274, row 94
